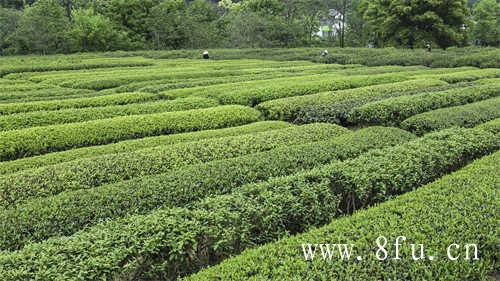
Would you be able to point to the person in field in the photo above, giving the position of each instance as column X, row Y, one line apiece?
column 205, row 55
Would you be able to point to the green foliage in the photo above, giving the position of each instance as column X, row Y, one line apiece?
column 464, row 76
column 42, row 29
column 468, row 115
column 166, row 25
column 45, row 118
column 286, row 87
column 167, row 243
column 428, row 216
column 491, row 126
column 115, row 99
column 57, row 63
column 39, row 140
column 334, row 106
column 92, row 172
column 486, row 26
column 413, row 23
column 132, row 145
column 131, row 15
column 95, row 32
column 175, row 189
column 9, row 19
column 394, row 110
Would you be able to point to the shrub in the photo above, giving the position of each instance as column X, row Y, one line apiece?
column 394, row 110
column 75, row 62
column 68, row 212
column 171, row 242
column 272, row 84
column 337, row 103
column 469, row 75
column 116, row 99
column 40, row 140
column 467, row 115
column 7, row 167
column 309, row 86
column 435, row 215
column 72, row 115
column 492, row 126
column 91, row 172
column 25, row 93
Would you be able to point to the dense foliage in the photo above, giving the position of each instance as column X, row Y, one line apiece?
column 426, row 216
column 62, row 26
column 170, row 242
column 153, row 165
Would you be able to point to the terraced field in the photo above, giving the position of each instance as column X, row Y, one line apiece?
column 135, row 166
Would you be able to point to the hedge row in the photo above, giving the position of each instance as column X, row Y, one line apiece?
column 40, row 64
column 7, row 167
column 458, row 208
column 91, row 172
column 156, row 86
column 293, row 108
column 45, row 118
column 115, row 99
column 7, row 87
column 451, row 57
column 394, row 110
column 479, row 57
column 468, row 115
column 69, row 212
column 99, row 82
column 469, row 75
column 170, row 242
column 492, row 126
column 220, row 89
column 161, row 68
column 44, row 94
column 39, row 140
column 253, row 97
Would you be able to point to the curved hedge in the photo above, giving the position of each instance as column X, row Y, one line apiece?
column 68, row 212
column 39, row 140
column 469, row 75
column 252, row 92
column 394, row 110
column 254, row 96
column 33, row 91
column 170, row 242
column 91, row 172
column 7, row 167
column 115, row 99
column 45, row 118
column 56, row 63
column 491, row 126
column 468, row 115
column 339, row 102
column 435, row 215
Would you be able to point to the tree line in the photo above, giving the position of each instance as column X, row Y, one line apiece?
column 64, row 26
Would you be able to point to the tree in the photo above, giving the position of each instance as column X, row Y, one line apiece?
column 265, row 23
column 94, row 32
column 166, row 25
column 9, row 19
column 131, row 15
column 410, row 23
column 42, row 29
column 202, row 22
column 486, row 27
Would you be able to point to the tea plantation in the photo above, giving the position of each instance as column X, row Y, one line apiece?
column 160, row 165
